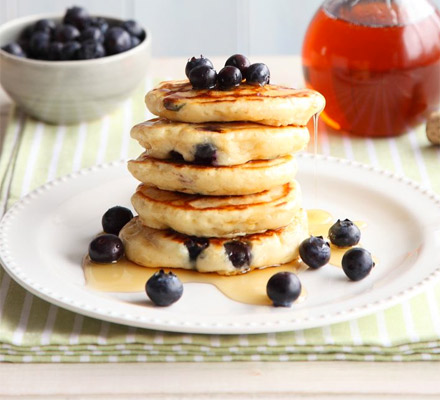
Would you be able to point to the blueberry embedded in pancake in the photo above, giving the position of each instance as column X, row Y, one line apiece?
column 218, row 143
column 269, row 104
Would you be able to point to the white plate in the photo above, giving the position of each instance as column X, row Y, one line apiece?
column 44, row 236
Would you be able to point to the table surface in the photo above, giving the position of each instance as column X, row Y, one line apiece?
column 256, row 380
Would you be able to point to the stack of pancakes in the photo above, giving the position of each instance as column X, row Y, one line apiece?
column 218, row 192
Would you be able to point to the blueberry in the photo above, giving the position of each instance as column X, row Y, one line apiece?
column 134, row 41
column 55, row 51
column 115, row 218
column 239, row 253
column 195, row 246
column 77, row 16
column 24, row 44
column 258, row 74
column 134, row 29
column 44, row 25
column 39, row 45
column 91, row 49
column 205, row 154
column 99, row 23
column 27, row 33
column 70, row 51
column 117, row 40
column 203, row 77
column 344, row 233
column 106, row 249
column 239, row 61
column 357, row 263
column 283, row 289
column 15, row 49
column 176, row 156
column 197, row 62
column 228, row 77
column 314, row 251
column 164, row 289
column 92, row 33
column 66, row 33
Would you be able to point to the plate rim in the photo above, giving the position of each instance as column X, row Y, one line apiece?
column 245, row 327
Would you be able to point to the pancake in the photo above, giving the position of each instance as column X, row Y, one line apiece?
column 269, row 105
column 164, row 248
column 217, row 216
column 252, row 177
column 234, row 142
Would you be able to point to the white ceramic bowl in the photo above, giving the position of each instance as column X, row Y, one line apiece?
column 68, row 92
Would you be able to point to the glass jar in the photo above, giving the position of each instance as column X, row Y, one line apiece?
column 377, row 62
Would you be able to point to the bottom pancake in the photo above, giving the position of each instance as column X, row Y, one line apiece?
column 229, row 256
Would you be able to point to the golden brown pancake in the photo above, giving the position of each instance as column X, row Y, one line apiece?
column 248, row 178
column 164, row 248
column 232, row 142
column 269, row 105
column 218, row 216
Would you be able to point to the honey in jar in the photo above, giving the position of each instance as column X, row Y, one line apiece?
column 376, row 62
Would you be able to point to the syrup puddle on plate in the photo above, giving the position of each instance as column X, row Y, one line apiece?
column 126, row 276
column 249, row 288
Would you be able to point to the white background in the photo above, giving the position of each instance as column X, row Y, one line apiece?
column 192, row 27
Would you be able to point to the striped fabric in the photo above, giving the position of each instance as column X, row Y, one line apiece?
column 32, row 330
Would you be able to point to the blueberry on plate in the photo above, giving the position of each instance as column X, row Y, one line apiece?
column 258, row 74
column 90, row 49
column 66, row 33
column 283, row 289
column 106, row 248
column 115, row 218
column 314, row 251
column 164, row 289
column 205, row 154
column 39, row 45
column 194, row 62
column 70, row 51
column 240, row 61
column 229, row 77
column 15, row 49
column 203, row 77
column 44, row 25
column 77, row 16
column 55, row 51
column 357, row 263
column 92, row 33
column 344, row 233
column 117, row 40
column 134, row 29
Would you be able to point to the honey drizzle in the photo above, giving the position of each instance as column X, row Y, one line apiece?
column 249, row 288
column 126, row 276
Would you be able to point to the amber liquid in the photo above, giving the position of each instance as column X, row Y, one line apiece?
column 378, row 81
column 249, row 288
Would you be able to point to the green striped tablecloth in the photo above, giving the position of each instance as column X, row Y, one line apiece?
column 32, row 330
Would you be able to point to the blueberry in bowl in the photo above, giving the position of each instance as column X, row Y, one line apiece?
column 58, row 68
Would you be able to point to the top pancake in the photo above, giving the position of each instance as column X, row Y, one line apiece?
column 269, row 105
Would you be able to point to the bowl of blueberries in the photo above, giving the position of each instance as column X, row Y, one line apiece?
column 72, row 68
